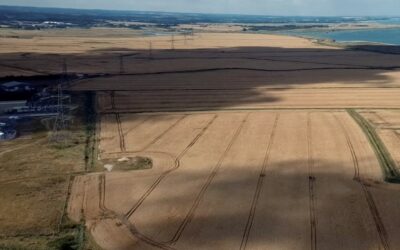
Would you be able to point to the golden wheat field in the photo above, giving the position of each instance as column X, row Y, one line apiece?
column 256, row 141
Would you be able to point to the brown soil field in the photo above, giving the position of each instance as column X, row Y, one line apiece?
column 248, row 180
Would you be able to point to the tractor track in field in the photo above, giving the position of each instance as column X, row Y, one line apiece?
column 163, row 175
column 148, row 240
column 390, row 68
column 124, row 221
column 391, row 173
column 381, row 118
column 119, row 124
column 210, row 178
column 122, row 145
column 257, row 192
column 24, row 69
column 255, row 59
column 137, row 125
column 102, row 192
column 121, row 133
column 164, row 132
column 270, row 88
column 380, row 227
column 204, row 70
column 311, row 186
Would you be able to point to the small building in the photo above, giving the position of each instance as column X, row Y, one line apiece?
column 7, row 132
column 15, row 86
column 9, row 106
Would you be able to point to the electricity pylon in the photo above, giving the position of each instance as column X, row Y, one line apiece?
column 60, row 132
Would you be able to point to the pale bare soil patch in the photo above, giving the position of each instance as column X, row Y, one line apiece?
column 249, row 180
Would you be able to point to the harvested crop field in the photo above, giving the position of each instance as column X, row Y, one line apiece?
column 239, row 180
column 387, row 125
column 178, row 100
column 253, row 140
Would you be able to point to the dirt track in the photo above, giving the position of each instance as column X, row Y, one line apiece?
column 240, row 180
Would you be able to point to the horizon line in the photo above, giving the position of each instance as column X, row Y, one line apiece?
column 197, row 13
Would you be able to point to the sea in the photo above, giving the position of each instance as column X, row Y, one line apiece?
column 382, row 36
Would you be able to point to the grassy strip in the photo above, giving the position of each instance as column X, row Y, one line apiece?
column 64, row 209
column 385, row 159
column 81, row 236
column 90, row 120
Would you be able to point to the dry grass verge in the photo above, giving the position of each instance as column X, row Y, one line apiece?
column 385, row 159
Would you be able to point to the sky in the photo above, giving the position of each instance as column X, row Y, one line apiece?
column 260, row 7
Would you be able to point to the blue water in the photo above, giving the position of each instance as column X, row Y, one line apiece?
column 393, row 20
column 386, row 36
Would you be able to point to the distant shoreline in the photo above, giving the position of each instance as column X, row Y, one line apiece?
column 342, row 43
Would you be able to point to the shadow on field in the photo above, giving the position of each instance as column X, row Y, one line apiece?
column 282, row 208
column 380, row 48
column 221, row 76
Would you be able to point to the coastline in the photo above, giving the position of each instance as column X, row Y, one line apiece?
column 345, row 36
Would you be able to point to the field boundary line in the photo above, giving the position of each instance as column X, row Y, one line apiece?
column 260, row 183
column 386, row 161
column 161, row 110
column 263, row 58
column 65, row 203
column 390, row 68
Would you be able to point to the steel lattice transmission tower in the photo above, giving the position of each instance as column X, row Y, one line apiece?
column 60, row 132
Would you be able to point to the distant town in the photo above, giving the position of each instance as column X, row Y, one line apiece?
column 29, row 18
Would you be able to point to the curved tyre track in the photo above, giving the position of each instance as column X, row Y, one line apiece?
column 380, row 227
column 163, row 175
column 109, row 213
column 210, row 178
